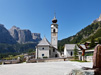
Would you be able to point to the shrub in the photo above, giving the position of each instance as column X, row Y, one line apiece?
column 0, row 63
column 45, row 57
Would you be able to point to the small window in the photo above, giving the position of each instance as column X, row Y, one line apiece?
column 42, row 48
column 42, row 54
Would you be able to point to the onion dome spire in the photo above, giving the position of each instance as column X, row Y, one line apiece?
column 54, row 20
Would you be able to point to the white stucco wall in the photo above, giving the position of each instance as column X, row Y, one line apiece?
column 44, row 51
column 67, row 53
column 54, row 36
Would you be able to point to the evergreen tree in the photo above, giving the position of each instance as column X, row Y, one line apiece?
column 61, row 48
column 92, row 44
column 99, row 40
column 75, row 52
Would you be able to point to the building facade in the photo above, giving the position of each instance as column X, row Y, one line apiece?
column 45, row 49
column 69, row 49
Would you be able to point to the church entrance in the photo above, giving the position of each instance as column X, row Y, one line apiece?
column 56, row 55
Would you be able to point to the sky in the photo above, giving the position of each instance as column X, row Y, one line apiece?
column 37, row 15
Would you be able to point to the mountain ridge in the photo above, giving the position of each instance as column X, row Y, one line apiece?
column 24, row 36
column 17, row 40
column 81, row 35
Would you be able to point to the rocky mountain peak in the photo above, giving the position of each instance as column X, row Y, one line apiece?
column 2, row 25
column 5, row 36
column 14, row 27
column 24, row 36
column 98, row 19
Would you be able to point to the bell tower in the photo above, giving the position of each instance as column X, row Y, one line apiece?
column 54, row 33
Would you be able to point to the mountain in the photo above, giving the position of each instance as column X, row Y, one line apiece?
column 98, row 19
column 84, row 35
column 17, row 40
column 36, row 37
column 96, row 35
column 24, row 36
column 5, row 36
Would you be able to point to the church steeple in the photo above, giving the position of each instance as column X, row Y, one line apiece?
column 54, row 20
column 54, row 32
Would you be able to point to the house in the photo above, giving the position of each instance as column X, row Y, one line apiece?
column 87, row 44
column 69, row 49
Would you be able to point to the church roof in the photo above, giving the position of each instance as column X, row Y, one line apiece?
column 43, row 42
column 71, row 46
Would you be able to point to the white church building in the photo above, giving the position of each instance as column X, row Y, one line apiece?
column 45, row 49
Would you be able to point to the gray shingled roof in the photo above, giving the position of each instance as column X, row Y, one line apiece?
column 72, row 46
column 83, row 46
column 44, row 41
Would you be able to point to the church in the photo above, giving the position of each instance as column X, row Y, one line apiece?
column 45, row 49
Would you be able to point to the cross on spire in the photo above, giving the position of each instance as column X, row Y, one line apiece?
column 54, row 15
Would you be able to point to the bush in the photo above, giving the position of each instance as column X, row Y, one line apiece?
column 89, row 54
column 99, row 40
column 0, row 63
column 45, row 57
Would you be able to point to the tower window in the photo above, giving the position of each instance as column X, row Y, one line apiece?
column 53, row 30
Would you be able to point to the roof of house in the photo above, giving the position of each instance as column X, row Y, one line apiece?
column 87, row 50
column 72, row 46
column 43, row 42
column 83, row 46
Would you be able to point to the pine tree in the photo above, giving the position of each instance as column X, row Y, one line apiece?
column 92, row 44
column 99, row 40
column 75, row 52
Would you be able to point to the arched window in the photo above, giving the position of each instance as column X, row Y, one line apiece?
column 53, row 30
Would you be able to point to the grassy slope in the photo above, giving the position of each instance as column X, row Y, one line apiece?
column 87, row 32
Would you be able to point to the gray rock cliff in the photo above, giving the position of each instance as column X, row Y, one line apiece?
column 5, row 36
column 36, row 37
column 24, row 36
